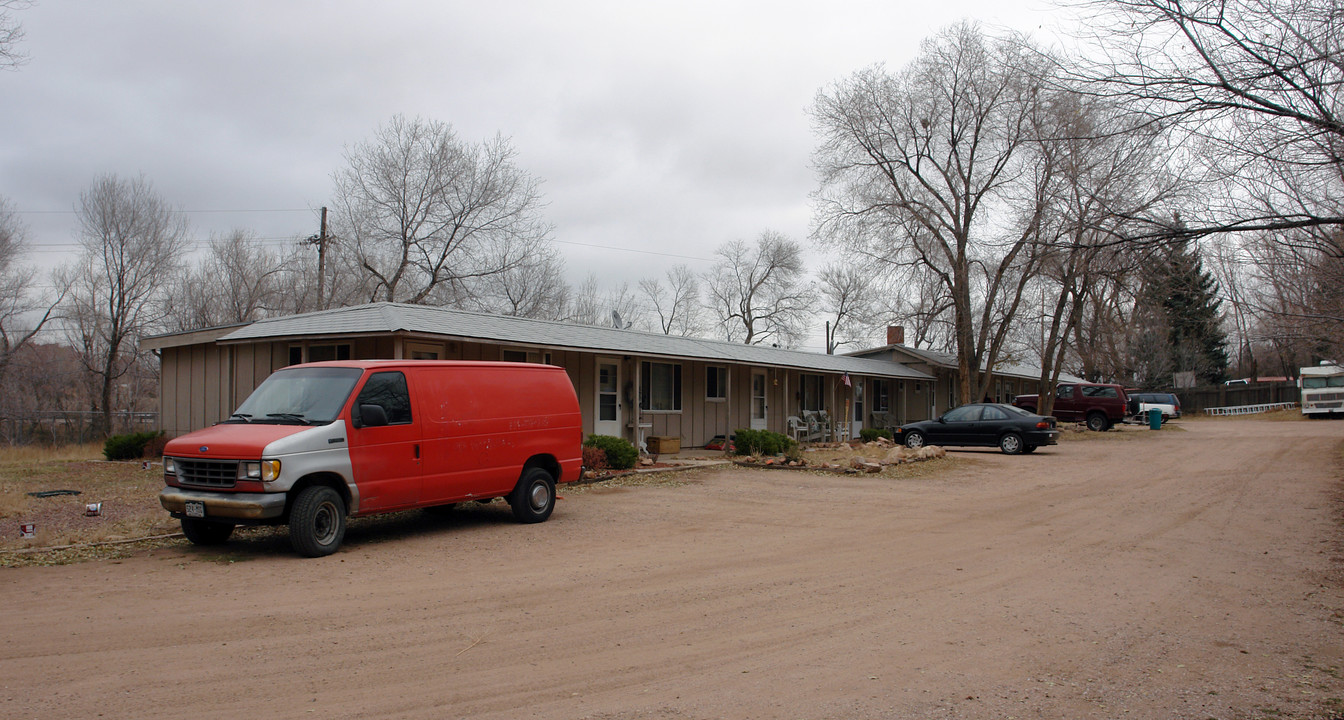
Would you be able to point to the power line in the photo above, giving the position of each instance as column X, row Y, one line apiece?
column 183, row 212
column 633, row 250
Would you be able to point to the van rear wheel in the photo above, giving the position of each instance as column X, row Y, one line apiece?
column 317, row 521
column 533, row 498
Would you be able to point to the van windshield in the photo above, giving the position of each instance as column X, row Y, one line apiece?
column 303, row 396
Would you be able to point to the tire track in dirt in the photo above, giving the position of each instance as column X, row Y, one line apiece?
column 1093, row 579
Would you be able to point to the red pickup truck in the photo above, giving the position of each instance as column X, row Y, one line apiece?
column 1097, row 404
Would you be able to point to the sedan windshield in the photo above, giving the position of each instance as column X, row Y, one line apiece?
column 305, row 396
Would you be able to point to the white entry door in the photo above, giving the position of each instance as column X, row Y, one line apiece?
column 607, row 419
column 759, row 410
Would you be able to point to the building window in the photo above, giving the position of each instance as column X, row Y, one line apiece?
column 525, row 356
column 318, row 353
column 424, row 351
column 882, row 396
column 660, row 386
column 716, row 382
column 810, row 392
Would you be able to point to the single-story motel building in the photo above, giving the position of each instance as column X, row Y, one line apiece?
column 629, row 384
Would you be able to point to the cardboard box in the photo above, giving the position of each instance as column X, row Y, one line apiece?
column 659, row 444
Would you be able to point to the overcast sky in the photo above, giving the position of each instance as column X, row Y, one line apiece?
column 660, row 130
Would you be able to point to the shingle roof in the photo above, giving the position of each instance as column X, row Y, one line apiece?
column 948, row 360
column 385, row 317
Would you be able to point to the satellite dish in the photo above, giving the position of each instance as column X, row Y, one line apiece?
column 616, row 321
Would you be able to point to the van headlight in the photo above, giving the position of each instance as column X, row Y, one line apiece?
column 263, row 470
column 169, row 466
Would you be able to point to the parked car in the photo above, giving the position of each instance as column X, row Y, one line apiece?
column 1012, row 429
column 1100, row 405
column 1141, row 402
column 315, row 443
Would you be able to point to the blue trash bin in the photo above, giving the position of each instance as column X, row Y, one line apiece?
column 1154, row 419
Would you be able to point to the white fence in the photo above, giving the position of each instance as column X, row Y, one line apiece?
column 1250, row 409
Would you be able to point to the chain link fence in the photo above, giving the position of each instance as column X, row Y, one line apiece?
column 66, row 427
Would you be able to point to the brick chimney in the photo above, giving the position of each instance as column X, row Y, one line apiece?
column 895, row 334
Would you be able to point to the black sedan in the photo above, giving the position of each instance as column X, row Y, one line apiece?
column 1013, row 429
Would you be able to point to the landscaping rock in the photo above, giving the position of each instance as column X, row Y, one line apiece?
column 897, row 454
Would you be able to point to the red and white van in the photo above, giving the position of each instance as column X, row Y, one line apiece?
column 316, row 443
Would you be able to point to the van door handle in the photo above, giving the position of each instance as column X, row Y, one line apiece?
column 417, row 452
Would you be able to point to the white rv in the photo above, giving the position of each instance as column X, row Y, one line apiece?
column 1322, row 389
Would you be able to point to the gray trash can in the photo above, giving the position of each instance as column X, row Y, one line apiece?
column 1154, row 419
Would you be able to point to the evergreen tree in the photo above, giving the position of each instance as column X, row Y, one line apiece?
column 1181, row 298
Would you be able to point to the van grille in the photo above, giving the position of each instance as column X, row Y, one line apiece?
column 214, row 473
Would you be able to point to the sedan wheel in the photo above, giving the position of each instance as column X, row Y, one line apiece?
column 914, row 440
column 1011, row 444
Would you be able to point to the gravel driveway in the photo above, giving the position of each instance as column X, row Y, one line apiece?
column 1190, row 573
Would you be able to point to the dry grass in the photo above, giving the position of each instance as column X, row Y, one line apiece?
column 128, row 494
column 40, row 453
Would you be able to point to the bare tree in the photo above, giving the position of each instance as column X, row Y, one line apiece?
column 917, row 301
column 757, row 293
column 1104, row 169
column 617, row 307
column 1254, row 87
column 676, row 304
column 239, row 280
column 11, row 32
column 343, row 281
column 585, row 303
column 847, row 297
column 22, row 313
column 934, row 169
column 418, row 208
column 533, row 288
column 1294, row 290
column 131, row 241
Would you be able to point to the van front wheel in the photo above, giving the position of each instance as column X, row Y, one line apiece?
column 533, row 498
column 317, row 521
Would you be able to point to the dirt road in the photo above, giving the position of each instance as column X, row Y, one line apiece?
column 1192, row 573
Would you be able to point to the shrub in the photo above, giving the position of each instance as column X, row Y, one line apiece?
column 154, row 448
column 762, row 442
column 594, row 458
column 871, row 434
column 620, row 454
column 127, row 447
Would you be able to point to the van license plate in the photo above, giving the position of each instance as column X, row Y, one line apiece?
column 195, row 508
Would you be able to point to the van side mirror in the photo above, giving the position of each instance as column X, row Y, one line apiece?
column 372, row 416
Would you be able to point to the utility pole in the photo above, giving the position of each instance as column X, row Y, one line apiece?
column 320, row 240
